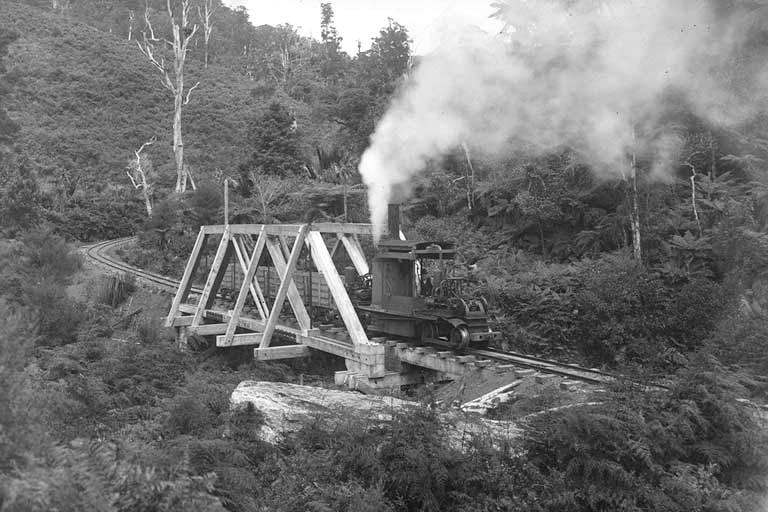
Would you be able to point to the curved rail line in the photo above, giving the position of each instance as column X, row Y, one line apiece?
column 99, row 252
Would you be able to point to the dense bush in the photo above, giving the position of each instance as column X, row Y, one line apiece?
column 49, row 256
column 693, row 448
column 410, row 464
column 610, row 310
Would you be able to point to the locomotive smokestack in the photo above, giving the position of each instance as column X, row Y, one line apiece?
column 393, row 221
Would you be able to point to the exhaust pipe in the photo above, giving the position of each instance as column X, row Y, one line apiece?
column 393, row 221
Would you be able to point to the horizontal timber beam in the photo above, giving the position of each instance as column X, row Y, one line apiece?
column 209, row 329
column 284, row 352
column 289, row 229
column 182, row 321
column 239, row 340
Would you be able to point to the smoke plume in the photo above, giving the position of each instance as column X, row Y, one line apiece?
column 588, row 74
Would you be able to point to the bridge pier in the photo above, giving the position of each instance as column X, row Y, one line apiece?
column 182, row 338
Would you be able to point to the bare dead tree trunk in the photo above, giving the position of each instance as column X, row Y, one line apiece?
column 137, row 173
column 470, row 179
column 205, row 19
column 712, row 156
column 633, row 203
column 693, row 196
column 634, row 215
column 131, row 21
column 182, row 35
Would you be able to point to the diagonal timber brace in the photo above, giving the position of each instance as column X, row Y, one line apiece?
column 216, row 274
column 246, row 286
column 186, row 281
column 324, row 264
column 287, row 286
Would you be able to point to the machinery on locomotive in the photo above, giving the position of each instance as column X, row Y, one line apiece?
column 416, row 294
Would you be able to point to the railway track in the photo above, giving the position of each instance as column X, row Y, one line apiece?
column 569, row 371
column 99, row 252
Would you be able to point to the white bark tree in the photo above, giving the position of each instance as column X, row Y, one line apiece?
column 137, row 172
column 60, row 5
column 131, row 21
column 173, row 79
column 205, row 15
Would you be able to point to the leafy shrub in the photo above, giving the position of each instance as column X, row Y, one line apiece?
column 19, row 428
column 93, row 476
column 741, row 340
column 409, row 464
column 206, row 205
column 610, row 310
column 694, row 448
column 189, row 416
column 148, row 329
column 48, row 255
column 58, row 316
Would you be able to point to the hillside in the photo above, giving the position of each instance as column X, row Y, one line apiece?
column 86, row 100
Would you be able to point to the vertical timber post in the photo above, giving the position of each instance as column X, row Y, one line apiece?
column 182, row 338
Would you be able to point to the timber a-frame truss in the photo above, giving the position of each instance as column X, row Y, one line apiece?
column 243, row 245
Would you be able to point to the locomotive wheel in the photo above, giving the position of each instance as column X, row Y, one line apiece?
column 460, row 337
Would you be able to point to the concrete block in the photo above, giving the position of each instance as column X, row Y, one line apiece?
column 342, row 378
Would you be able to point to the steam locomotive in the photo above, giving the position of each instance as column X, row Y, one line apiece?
column 413, row 296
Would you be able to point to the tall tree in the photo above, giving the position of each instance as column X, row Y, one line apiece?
column 332, row 62
column 138, row 170
column 391, row 51
column 173, row 79
column 205, row 15
column 274, row 141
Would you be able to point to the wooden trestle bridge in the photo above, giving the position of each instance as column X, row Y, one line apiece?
column 243, row 245
column 278, row 332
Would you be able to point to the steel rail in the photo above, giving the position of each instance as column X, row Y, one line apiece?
column 99, row 253
column 568, row 370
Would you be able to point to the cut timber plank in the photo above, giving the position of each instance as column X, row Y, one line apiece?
column 186, row 281
column 324, row 264
column 287, row 286
column 294, row 296
column 182, row 321
column 246, row 285
column 355, row 254
column 240, row 339
column 290, row 229
column 208, row 329
column 241, row 251
column 285, row 352
column 211, row 282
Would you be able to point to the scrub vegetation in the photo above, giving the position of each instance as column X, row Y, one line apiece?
column 654, row 271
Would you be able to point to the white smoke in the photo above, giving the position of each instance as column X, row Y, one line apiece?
column 587, row 74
